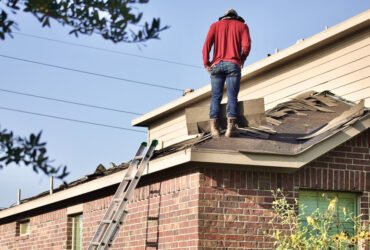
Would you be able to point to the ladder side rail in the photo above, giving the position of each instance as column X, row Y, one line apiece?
column 109, row 214
column 123, row 187
column 110, row 211
column 133, row 165
column 121, row 211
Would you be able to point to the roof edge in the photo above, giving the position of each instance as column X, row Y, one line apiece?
column 84, row 188
column 93, row 185
column 320, row 39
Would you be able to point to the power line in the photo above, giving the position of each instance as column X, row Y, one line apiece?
column 92, row 73
column 69, row 102
column 71, row 120
column 108, row 50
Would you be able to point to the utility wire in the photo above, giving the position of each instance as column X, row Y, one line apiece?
column 92, row 73
column 69, row 102
column 108, row 50
column 71, row 120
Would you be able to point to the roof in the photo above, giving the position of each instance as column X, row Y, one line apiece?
column 292, row 127
column 308, row 45
column 297, row 132
column 305, row 126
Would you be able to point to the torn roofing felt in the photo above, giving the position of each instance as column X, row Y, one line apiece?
column 290, row 128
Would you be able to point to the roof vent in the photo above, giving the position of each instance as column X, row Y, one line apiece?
column 299, row 41
column 187, row 91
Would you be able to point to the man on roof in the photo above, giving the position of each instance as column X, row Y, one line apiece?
column 231, row 43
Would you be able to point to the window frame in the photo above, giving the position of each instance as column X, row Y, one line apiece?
column 330, row 194
column 20, row 227
column 72, row 219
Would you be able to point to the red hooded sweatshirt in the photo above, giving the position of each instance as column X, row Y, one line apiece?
column 231, row 41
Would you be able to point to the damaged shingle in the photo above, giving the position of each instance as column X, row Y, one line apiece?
column 290, row 127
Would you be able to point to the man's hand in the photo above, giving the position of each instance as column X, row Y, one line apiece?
column 210, row 68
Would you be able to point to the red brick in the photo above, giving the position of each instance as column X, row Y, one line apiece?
column 361, row 162
column 338, row 165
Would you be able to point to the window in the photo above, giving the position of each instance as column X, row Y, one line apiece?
column 23, row 227
column 312, row 200
column 76, row 231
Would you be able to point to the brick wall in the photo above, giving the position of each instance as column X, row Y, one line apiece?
column 163, row 213
column 235, row 204
column 48, row 231
column 203, row 207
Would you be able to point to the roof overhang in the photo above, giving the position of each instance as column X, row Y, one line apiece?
column 193, row 155
column 280, row 161
column 319, row 40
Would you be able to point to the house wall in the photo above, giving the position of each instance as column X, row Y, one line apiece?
column 172, row 197
column 204, row 207
column 342, row 67
column 48, row 232
column 235, row 204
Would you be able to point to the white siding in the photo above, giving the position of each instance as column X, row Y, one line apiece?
column 342, row 69
column 169, row 130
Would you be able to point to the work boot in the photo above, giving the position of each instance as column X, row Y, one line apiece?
column 215, row 132
column 231, row 130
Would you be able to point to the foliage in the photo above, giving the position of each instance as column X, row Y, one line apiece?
column 115, row 20
column 312, row 232
column 29, row 151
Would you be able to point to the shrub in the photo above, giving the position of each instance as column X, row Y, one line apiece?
column 291, row 230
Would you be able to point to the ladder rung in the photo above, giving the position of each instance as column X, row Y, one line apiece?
column 151, row 244
column 117, row 200
column 95, row 243
column 153, row 218
column 138, row 157
column 128, row 178
column 108, row 221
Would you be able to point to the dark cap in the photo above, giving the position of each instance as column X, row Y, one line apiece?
column 229, row 13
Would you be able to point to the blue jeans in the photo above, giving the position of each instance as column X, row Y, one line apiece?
column 229, row 72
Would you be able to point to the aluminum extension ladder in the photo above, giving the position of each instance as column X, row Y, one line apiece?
column 117, row 210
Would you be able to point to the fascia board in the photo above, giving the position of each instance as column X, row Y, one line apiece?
column 326, row 145
column 81, row 189
column 281, row 57
column 168, row 161
column 247, row 159
column 315, row 41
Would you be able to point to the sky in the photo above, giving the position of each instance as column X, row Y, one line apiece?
column 82, row 147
